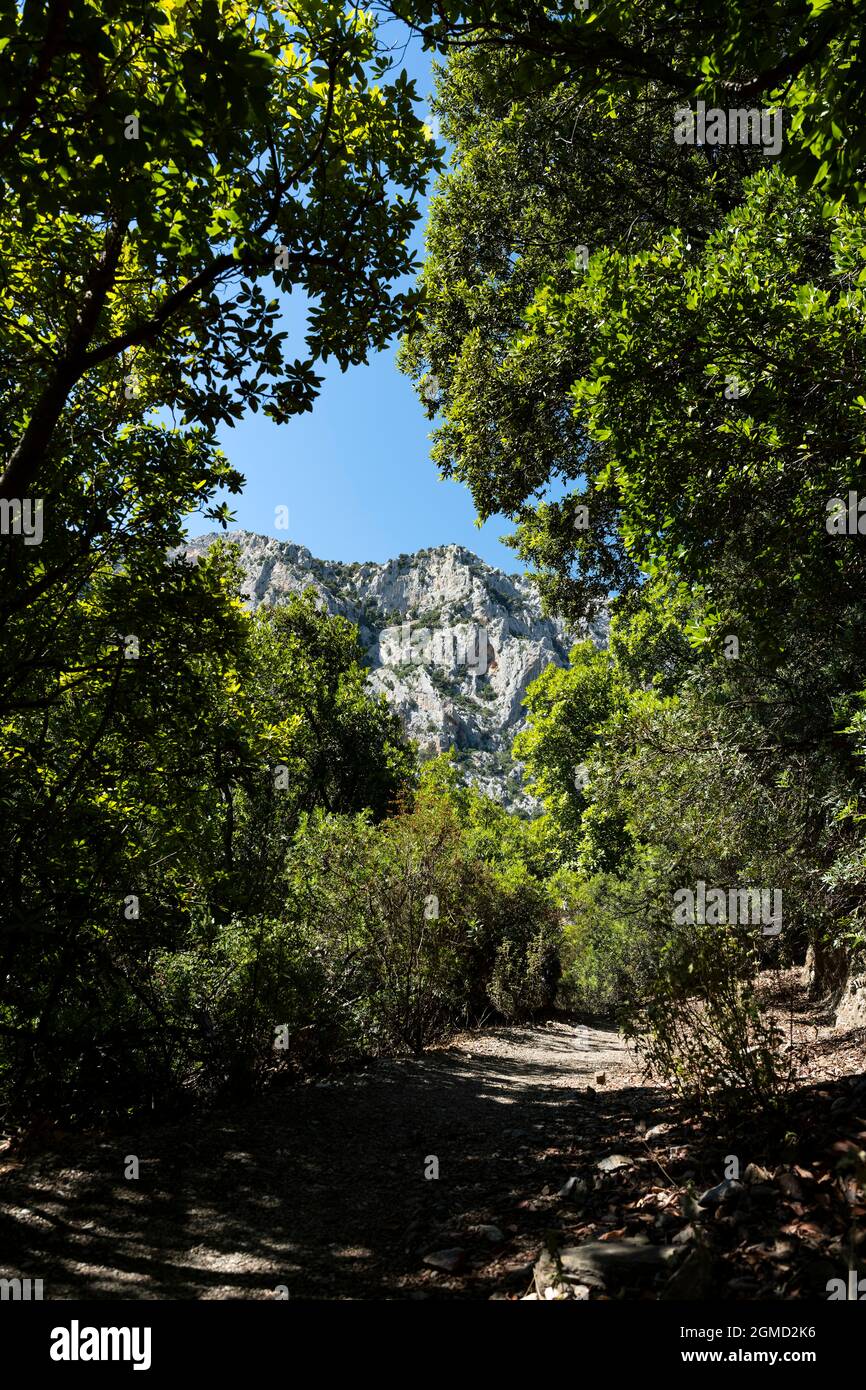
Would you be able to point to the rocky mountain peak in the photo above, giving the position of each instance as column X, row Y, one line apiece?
column 451, row 641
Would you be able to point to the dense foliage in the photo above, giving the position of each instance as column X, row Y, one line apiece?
column 168, row 172
column 804, row 55
column 649, row 353
column 222, row 861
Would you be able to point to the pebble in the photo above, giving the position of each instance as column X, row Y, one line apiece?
column 449, row 1261
column 612, row 1162
column 722, row 1192
column 574, row 1187
column 491, row 1233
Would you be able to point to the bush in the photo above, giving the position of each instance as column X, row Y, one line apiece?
column 527, row 933
column 399, row 900
column 684, row 995
column 700, row 1024
column 441, row 934
column 261, row 992
column 371, row 937
column 600, row 949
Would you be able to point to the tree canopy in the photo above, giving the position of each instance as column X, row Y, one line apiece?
column 802, row 55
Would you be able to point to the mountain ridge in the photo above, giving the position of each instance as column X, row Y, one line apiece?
column 450, row 640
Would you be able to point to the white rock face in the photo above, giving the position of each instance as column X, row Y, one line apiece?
column 451, row 642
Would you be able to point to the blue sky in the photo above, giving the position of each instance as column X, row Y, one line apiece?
column 356, row 474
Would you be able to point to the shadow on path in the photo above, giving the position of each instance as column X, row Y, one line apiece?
column 322, row 1188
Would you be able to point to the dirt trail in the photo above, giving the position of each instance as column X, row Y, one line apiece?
column 322, row 1188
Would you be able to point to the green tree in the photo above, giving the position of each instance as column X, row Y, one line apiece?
column 164, row 167
column 151, row 807
column 803, row 55
column 168, row 172
column 536, row 185
column 567, row 709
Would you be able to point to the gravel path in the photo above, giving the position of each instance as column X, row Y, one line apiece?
column 321, row 1191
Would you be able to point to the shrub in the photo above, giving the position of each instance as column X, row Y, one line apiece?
column 526, row 931
column 701, row 1027
column 599, row 948
column 261, row 992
